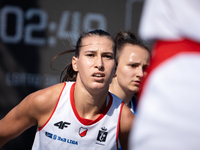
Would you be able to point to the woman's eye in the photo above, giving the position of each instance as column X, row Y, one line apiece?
column 108, row 56
column 90, row 55
column 133, row 66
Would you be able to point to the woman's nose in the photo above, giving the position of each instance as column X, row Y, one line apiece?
column 99, row 63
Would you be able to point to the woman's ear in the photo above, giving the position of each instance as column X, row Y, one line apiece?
column 115, row 74
column 74, row 63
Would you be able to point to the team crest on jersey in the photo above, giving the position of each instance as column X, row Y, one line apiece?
column 102, row 135
column 82, row 131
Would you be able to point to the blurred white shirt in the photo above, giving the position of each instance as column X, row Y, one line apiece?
column 170, row 19
column 168, row 112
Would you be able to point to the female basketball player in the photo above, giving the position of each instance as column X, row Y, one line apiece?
column 76, row 115
column 132, row 60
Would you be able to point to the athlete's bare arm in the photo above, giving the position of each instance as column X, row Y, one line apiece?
column 127, row 118
column 36, row 108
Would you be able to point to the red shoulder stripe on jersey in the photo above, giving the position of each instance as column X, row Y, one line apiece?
column 164, row 50
column 118, row 124
column 83, row 120
column 54, row 108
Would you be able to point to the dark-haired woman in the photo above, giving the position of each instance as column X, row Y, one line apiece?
column 76, row 115
column 132, row 60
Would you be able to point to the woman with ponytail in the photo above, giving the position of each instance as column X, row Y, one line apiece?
column 132, row 59
column 80, row 112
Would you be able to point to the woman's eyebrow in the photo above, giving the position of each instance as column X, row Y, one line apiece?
column 108, row 53
column 90, row 51
column 94, row 51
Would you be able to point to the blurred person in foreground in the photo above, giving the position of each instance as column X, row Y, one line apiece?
column 168, row 109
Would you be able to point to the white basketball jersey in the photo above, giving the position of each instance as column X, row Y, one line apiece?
column 65, row 129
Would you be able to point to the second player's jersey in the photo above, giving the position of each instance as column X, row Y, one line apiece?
column 65, row 129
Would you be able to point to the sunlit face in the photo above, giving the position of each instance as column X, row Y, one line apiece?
column 95, row 64
column 132, row 62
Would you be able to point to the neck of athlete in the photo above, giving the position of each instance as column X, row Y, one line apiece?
column 116, row 89
column 89, row 105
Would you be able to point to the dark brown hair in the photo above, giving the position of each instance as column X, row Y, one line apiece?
column 70, row 74
column 126, row 37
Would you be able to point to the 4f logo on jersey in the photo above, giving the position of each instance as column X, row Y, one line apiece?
column 102, row 135
column 62, row 124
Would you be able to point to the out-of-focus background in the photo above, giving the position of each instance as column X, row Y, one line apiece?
column 32, row 32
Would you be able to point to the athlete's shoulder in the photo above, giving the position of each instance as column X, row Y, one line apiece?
column 43, row 101
column 115, row 97
column 46, row 94
column 49, row 96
